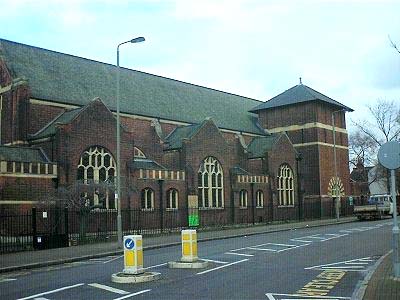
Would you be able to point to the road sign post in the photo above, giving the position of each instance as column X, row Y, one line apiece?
column 389, row 157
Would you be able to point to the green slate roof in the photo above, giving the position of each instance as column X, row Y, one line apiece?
column 236, row 170
column 297, row 94
column 50, row 129
column 146, row 164
column 22, row 154
column 260, row 145
column 64, row 78
column 174, row 139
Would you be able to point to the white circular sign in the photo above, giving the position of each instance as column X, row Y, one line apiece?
column 389, row 155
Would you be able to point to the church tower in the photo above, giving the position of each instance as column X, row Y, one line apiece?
column 316, row 126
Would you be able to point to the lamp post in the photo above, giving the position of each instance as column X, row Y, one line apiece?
column 118, row 192
column 336, row 187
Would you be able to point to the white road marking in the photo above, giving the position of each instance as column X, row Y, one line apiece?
column 112, row 259
column 155, row 266
column 239, row 254
column 7, row 279
column 41, row 298
column 274, row 296
column 344, row 267
column 108, row 288
column 224, row 266
column 215, row 261
column 293, row 247
column 52, row 291
column 349, row 265
column 262, row 249
column 300, row 240
column 131, row 295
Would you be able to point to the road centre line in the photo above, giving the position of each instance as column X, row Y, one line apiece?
column 239, row 254
column 220, row 267
column 108, row 288
column 52, row 291
column 131, row 295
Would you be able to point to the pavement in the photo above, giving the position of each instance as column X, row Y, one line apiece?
column 379, row 284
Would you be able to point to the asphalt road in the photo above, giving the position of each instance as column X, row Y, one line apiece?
column 328, row 262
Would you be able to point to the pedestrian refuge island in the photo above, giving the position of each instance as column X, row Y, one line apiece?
column 133, row 271
column 189, row 259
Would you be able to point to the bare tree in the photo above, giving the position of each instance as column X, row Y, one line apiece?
column 394, row 46
column 362, row 149
column 383, row 125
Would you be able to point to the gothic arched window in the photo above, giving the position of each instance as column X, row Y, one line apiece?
column 147, row 199
column 211, row 184
column 97, row 166
column 285, row 186
column 243, row 199
column 259, row 198
column 172, row 199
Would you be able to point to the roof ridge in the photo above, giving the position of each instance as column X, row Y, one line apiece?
column 128, row 69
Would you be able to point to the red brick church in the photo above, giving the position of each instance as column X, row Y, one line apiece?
column 233, row 154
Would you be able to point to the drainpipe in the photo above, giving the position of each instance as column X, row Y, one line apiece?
column 252, row 202
column 160, row 184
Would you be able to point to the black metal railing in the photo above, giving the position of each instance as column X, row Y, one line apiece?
column 53, row 227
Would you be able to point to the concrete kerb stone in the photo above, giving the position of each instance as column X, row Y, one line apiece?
column 119, row 252
column 122, row 277
column 361, row 287
column 188, row 265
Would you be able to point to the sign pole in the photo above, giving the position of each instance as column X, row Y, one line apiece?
column 395, row 230
column 389, row 157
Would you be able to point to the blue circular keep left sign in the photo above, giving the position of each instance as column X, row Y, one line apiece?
column 129, row 244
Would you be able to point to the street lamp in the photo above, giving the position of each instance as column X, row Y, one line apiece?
column 118, row 193
column 336, row 182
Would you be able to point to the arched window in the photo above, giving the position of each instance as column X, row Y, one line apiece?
column 97, row 166
column 137, row 153
column 259, row 198
column 243, row 199
column 285, row 186
column 147, row 199
column 211, row 184
column 172, row 199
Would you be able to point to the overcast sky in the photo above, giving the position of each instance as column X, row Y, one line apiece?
column 254, row 48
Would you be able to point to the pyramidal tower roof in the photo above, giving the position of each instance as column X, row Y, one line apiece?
column 298, row 94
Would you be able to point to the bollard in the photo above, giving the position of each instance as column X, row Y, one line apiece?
column 189, row 245
column 133, row 271
column 189, row 252
column 133, row 254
